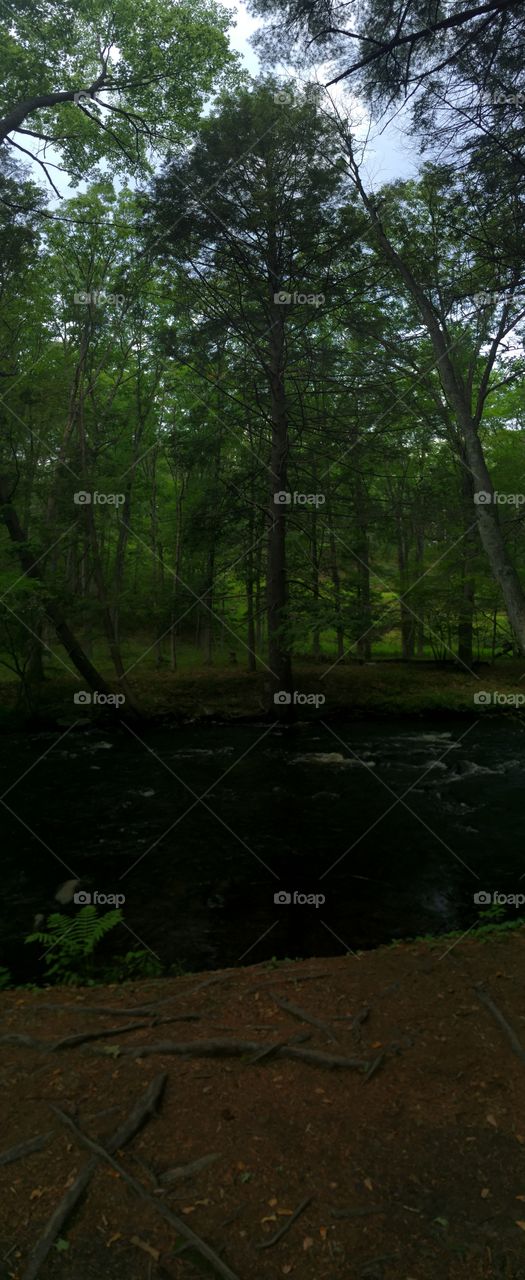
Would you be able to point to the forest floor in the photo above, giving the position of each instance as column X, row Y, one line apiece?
column 379, row 1136
column 382, row 688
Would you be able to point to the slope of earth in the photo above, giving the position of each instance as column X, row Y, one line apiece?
column 356, row 1118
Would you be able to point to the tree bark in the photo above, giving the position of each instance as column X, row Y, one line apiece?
column 277, row 589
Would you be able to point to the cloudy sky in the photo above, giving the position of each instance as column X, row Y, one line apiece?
column 390, row 154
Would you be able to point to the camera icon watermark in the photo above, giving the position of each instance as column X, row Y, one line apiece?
column 96, row 297
column 486, row 699
column 285, row 299
column 483, row 899
column 86, row 698
column 84, row 499
column 484, row 498
column 282, row 498
column 85, row 899
column 83, row 95
column 284, row 899
column 284, row 699
column 296, row 98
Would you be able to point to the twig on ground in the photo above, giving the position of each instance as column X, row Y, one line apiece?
column 267, row 1244
column 296, row 1012
column 26, row 1148
column 184, row 1171
column 374, row 1066
column 271, row 1049
column 182, row 1227
column 234, row 1049
column 143, row 1109
column 487, row 1000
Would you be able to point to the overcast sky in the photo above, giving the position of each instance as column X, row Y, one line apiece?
column 390, row 154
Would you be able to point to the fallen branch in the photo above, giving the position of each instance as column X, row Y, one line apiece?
column 487, row 1000
column 81, row 1037
column 143, row 1109
column 267, row 1244
column 182, row 1227
column 184, row 1171
column 271, row 1049
column 374, row 1066
column 234, row 1049
column 69, row 1042
column 26, row 1148
column 303, row 1016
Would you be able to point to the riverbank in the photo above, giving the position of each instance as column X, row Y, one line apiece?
column 380, row 689
column 355, row 1116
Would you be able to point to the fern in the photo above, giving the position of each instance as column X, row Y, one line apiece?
column 70, row 943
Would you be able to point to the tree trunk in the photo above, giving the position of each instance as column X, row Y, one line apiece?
column 280, row 680
column 94, row 680
column 466, row 605
column 486, row 511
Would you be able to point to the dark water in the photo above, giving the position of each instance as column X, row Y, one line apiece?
column 199, row 875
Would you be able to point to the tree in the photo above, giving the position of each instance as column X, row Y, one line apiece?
column 249, row 210
column 106, row 82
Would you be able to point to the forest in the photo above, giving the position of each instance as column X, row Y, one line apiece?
column 256, row 411
column 262, row 639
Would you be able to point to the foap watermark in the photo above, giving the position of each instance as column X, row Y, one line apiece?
column 484, row 899
column 284, row 899
column 84, row 899
column 285, row 299
column 97, row 298
column 86, row 698
column 492, row 299
column 486, row 699
column 84, row 499
column 483, row 499
column 297, row 97
column 285, row 499
column 83, row 95
column 506, row 98
column 284, row 699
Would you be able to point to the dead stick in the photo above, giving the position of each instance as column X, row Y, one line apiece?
column 271, row 1049
column 303, row 1016
column 234, row 1049
column 178, row 1223
column 143, row 1109
column 26, row 1148
column 267, row 1244
column 69, row 1042
column 497, row 1014
column 375, row 1065
column 184, row 1171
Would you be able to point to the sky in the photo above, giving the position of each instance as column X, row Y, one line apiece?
column 390, row 155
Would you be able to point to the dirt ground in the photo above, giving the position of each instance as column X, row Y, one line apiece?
column 404, row 1160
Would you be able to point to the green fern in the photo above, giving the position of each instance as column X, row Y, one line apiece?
column 70, row 943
